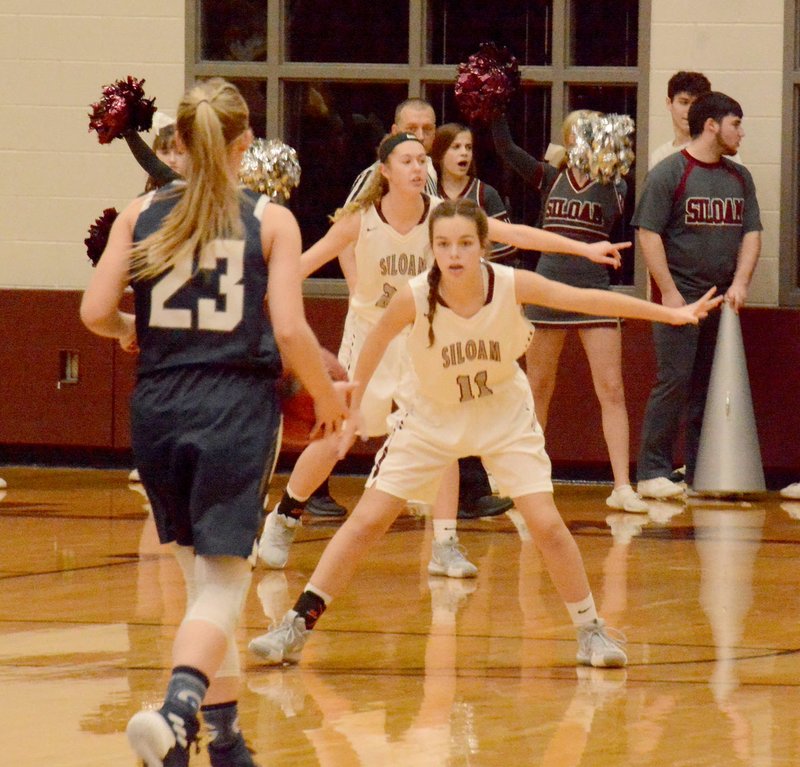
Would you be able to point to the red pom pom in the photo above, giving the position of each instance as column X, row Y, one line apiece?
column 298, row 406
column 123, row 108
column 98, row 235
column 486, row 82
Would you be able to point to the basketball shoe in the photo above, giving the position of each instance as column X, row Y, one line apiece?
column 596, row 648
column 448, row 558
column 284, row 643
column 237, row 754
column 162, row 738
column 276, row 540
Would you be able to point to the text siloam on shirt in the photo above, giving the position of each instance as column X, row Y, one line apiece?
column 402, row 263
column 715, row 211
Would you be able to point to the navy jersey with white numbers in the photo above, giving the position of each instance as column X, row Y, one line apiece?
column 210, row 311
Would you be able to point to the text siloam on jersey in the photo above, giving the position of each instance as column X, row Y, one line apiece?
column 466, row 351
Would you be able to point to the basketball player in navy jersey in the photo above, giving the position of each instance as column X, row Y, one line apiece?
column 202, row 258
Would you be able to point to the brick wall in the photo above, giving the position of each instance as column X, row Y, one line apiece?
column 55, row 55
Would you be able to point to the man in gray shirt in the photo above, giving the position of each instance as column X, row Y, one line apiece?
column 699, row 227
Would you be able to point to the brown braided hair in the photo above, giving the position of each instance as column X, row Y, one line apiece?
column 466, row 208
column 434, row 277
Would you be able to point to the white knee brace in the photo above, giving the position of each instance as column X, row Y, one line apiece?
column 221, row 585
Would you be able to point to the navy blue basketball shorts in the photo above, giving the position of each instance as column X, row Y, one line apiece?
column 205, row 441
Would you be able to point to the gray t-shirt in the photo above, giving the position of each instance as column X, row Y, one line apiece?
column 702, row 211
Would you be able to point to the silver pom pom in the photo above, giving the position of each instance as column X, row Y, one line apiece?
column 270, row 167
column 602, row 147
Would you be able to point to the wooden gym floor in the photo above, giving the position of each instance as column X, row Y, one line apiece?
column 409, row 670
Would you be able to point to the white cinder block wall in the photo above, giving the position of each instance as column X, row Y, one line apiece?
column 55, row 178
column 738, row 45
column 56, row 54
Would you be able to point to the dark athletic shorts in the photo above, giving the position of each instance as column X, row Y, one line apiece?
column 205, row 442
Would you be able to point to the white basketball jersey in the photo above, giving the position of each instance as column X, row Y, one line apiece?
column 386, row 260
column 470, row 357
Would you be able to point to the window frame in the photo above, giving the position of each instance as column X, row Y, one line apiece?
column 788, row 276
column 276, row 72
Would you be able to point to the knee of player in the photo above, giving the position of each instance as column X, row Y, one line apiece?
column 549, row 532
column 220, row 595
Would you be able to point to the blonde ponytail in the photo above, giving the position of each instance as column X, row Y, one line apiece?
column 375, row 189
column 210, row 117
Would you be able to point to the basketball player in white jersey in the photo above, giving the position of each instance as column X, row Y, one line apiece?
column 465, row 394
column 387, row 225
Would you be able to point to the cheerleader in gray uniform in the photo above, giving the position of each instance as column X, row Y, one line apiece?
column 466, row 393
column 575, row 205
column 453, row 159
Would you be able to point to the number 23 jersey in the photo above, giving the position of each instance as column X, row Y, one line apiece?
column 471, row 357
column 209, row 311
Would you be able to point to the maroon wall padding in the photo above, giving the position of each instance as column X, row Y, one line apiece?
column 35, row 325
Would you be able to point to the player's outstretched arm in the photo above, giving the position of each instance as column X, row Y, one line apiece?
column 531, row 238
column 341, row 234
column 532, row 288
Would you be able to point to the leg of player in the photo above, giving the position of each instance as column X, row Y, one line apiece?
column 565, row 565
column 312, row 467
column 371, row 518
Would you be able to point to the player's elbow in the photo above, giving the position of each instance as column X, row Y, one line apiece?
column 289, row 331
column 92, row 315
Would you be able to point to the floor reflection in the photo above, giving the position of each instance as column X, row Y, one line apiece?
column 412, row 670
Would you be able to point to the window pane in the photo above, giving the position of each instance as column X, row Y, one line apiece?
column 457, row 29
column 335, row 128
column 233, row 30
column 614, row 100
column 255, row 94
column 347, row 31
column 604, row 33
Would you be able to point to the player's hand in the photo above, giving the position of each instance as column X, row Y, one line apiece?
column 129, row 346
column 607, row 253
column 353, row 427
column 128, row 341
column 331, row 410
column 693, row 313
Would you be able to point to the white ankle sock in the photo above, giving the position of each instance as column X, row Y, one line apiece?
column 444, row 530
column 583, row 611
